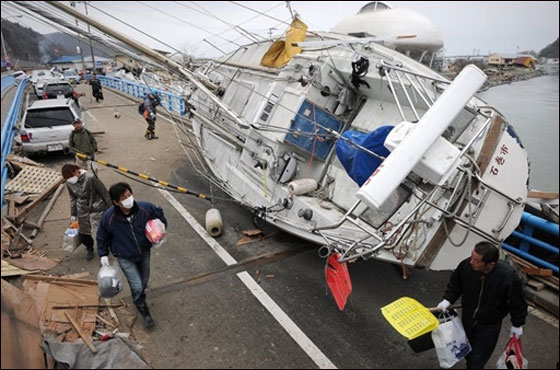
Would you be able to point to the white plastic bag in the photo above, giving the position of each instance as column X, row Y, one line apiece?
column 450, row 341
column 512, row 355
column 109, row 281
column 71, row 240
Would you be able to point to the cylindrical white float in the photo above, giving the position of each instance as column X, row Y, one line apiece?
column 387, row 177
column 302, row 186
column 214, row 222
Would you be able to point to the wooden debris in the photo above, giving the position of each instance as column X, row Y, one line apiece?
column 61, row 279
column 112, row 313
column 34, row 180
column 31, row 262
column 10, row 270
column 22, row 213
column 252, row 236
column 21, row 337
column 537, row 271
column 104, row 321
column 535, row 284
column 86, row 339
column 19, row 159
column 101, row 305
column 47, row 210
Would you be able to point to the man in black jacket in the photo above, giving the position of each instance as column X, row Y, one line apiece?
column 121, row 232
column 490, row 289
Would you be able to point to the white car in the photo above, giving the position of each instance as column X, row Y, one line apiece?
column 19, row 75
column 39, row 77
column 47, row 124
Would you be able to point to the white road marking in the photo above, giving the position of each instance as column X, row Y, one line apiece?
column 545, row 316
column 92, row 116
column 216, row 247
column 279, row 315
column 283, row 319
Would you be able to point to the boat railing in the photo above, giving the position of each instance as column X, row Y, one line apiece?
column 527, row 241
column 9, row 129
column 172, row 102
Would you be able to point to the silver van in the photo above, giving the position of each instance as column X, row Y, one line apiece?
column 47, row 124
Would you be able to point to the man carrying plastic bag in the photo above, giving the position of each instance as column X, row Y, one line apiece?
column 122, row 232
column 490, row 289
column 450, row 340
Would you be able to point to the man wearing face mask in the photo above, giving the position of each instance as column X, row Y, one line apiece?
column 88, row 200
column 121, row 232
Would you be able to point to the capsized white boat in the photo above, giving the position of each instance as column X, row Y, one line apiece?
column 355, row 146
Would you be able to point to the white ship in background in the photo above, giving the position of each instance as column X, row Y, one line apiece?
column 355, row 146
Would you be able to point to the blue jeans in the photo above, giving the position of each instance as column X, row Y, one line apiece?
column 137, row 273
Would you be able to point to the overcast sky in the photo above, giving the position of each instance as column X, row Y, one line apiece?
column 482, row 27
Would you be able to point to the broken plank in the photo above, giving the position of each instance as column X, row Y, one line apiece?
column 537, row 285
column 101, row 305
column 537, row 271
column 30, row 206
column 86, row 340
column 61, row 279
column 47, row 210
column 104, row 321
column 112, row 313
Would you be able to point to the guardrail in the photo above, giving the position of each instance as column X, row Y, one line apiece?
column 9, row 130
column 530, row 222
column 7, row 81
column 172, row 102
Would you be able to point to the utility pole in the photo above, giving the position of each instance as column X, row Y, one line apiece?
column 90, row 44
column 6, row 60
column 73, row 5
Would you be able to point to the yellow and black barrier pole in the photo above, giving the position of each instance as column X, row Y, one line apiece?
column 180, row 189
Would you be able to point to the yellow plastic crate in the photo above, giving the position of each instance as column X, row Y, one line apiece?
column 410, row 318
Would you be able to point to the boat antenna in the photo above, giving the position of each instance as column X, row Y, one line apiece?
column 290, row 9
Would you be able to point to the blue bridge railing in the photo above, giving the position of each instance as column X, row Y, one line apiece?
column 7, row 81
column 527, row 240
column 172, row 102
column 9, row 130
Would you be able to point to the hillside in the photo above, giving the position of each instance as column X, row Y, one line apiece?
column 24, row 43
column 551, row 51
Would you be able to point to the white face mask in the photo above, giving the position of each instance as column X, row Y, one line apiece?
column 128, row 202
column 72, row 180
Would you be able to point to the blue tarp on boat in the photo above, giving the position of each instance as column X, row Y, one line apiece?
column 359, row 164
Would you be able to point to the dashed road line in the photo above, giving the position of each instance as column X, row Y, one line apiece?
column 273, row 308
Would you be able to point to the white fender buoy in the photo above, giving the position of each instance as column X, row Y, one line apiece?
column 302, row 186
column 214, row 222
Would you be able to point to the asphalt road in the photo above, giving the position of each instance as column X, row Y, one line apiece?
column 207, row 298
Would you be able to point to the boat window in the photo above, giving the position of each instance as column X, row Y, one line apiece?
column 268, row 107
column 374, row 6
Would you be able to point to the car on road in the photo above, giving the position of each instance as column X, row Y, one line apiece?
column 71, row 76
column 47, row 124
column 58, row 89
column 40, row 77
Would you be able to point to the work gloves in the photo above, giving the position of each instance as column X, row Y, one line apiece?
column 443, row 305
column 72, row 218
column 517, row 331
column 104, row 261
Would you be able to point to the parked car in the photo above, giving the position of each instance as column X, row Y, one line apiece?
column 39, row 77
column 47, row 124
column 19, row 75
column 71, row 76
column 58, row 89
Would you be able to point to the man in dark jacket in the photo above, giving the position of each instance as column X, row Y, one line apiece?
column 83, row 141
column 96, row 88
column 490, row 289
column 151, row 101
column 121, row 232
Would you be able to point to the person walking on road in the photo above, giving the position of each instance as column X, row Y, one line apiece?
column 151, row 101
column 89, row 198
column 490, row 289
column 96, row 88
column 82, row 140
column 121, row 232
